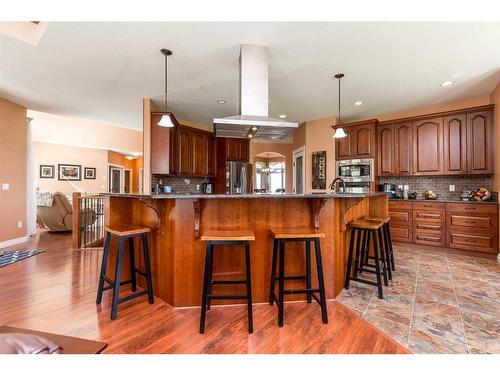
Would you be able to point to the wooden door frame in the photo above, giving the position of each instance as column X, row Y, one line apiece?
column 122, row 176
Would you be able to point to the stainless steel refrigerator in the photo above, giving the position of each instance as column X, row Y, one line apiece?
column 239, row 178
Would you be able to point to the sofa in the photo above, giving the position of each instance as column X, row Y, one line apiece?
column 58, row 217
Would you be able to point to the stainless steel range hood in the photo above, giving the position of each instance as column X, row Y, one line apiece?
column 254, row 100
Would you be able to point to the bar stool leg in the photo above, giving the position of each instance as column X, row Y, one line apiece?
column 383, row 253
column 116, row 287
column 389, row 239
column 147, row 265
column 104, row 265
column 272, row 294
column 132, row 264
column 357, row 253
column 211, row 274
column 249, row 287
column 362, row 250
column 321, row 284
column 377, row 264
column 205, row 287
column 281, row 289
column 349, row 259
column 308, row 271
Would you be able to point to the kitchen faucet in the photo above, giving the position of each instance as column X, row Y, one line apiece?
column 332, row 185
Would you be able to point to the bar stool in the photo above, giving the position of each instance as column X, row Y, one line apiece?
column 389, row 254
column 365, row 230
column 282, row 236
column 213, row 238
column 122, row 233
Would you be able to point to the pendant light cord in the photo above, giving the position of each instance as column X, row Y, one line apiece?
column 339, row 99
column 166, row 81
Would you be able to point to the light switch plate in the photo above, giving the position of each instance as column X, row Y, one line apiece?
column 452, row 187
column 5, row 186
column 19, row 224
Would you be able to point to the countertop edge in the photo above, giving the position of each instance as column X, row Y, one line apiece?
column 245, row 196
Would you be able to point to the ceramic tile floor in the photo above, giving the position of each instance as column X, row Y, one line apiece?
column 436, row 303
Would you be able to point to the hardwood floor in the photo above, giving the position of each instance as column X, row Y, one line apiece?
column 55, row 292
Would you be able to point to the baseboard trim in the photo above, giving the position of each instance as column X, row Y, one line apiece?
column 14, row 241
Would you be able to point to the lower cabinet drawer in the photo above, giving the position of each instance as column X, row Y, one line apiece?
column 400, row 217
column 429, row 216
column 429, row 237
column 429, row 226
column 401, row 234
column 481, row 242
column 470, row 221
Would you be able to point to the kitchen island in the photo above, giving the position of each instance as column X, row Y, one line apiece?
column 177, row 221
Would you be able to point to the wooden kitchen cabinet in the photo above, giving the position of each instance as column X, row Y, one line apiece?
column 472, row 226
column 403, row 149
column 479, row 142
column 455, row 144
column 401, row 222
column 211, row 152
column 184, row 151
column 428, row 146
column 198, row 154
column 163, row 141
column 360, row 143
column 237, row 149
column 385, row 147
column 429, row 223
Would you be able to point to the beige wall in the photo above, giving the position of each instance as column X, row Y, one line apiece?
column 70, row 131
column 134, row 165
column 495, row 99
column 319, row 137
column 52, row 154
column 12, row 170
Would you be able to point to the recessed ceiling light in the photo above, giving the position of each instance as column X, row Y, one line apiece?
column 359, row 102
column 447, row 83
column 254, row 128
column 250, row 135
column 282, row 116
column 221, row 101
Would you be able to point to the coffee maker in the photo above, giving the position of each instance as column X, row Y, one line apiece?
column 390, row 189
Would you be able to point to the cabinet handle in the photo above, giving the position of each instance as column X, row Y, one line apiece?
column 470, row 208
column 435, row 239
column 473, row 241
column 422, row 226
column 428, row 205
column 470, row 222
column 429, row 215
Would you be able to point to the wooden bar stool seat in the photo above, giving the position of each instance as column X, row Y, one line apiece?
column 123, row 233
column 280, row 237
column 362, row 231
column 229, row 237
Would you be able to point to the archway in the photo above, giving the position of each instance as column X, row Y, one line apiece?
column 270, row 173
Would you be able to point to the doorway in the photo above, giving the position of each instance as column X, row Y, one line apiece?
column 116, row 179
column 128, row 181
column 299, row 167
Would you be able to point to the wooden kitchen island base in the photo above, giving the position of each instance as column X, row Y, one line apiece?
column 177, row 254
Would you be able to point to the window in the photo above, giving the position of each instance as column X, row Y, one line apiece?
column 270, row 176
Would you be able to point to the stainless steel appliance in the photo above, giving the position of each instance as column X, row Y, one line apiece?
column 355, row 170
column 390, row 189
column 239, row 178
column 357, row 187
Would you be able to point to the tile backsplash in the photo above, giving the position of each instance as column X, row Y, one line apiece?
column 440, row 184
column 179, row 184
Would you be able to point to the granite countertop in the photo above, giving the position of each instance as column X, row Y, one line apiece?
column 244, row 196
column 442, row 200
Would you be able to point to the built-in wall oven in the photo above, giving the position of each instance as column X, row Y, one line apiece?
column 357, row 174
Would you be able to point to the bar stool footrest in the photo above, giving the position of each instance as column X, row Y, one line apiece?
column 363, row 281
column 227, row 296
column 293, row 277
column 300, row 291
column 228, row 282
column 132, row 296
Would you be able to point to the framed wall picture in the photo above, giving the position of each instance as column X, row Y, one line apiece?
column 319, row 170
column 69, row 172
column 46, row 171
column 89, row 173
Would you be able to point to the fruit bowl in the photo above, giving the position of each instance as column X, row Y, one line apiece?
column 482, row 194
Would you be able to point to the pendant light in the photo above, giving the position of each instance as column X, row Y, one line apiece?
column 166, row 119
column 339, row 132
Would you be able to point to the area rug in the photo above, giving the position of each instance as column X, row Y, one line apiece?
column 9, row 257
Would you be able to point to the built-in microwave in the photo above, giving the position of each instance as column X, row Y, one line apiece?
column 355, row 170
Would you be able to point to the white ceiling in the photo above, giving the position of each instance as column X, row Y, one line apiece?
column 100, row 71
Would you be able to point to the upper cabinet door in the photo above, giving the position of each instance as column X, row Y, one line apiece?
column 454, row 145
column 184, row 151
column 198, row 154
column 364, row 138
column 403, row 149
column 428, row 147
column 385, row 146
column 233, row 149
column 344, row 147
column 162, row 147
column 210, row 165
column 479, row 144
column 245, row 150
